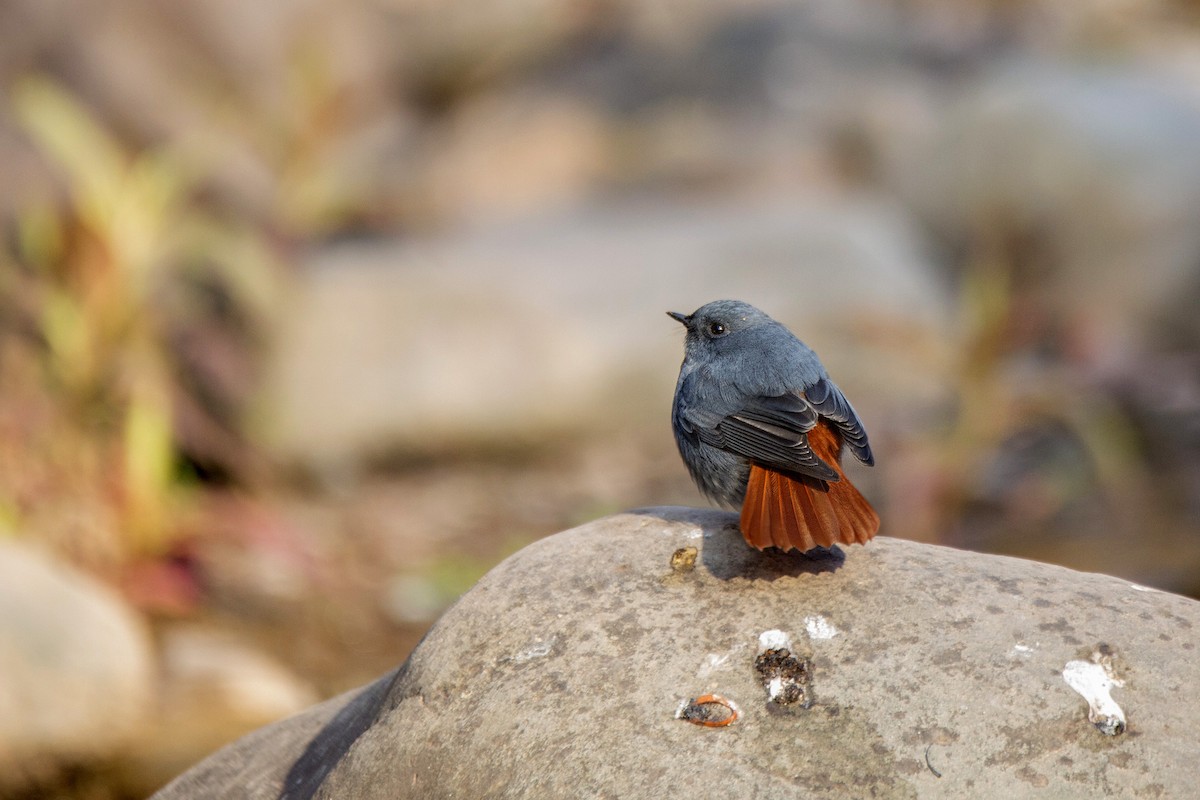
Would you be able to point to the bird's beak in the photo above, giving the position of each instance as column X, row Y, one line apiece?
column 683, row 319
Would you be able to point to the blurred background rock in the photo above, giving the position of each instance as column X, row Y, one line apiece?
column 310, row 312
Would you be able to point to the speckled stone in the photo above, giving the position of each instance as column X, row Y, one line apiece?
column 934, row 673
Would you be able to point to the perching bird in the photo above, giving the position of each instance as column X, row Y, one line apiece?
column 760, row 424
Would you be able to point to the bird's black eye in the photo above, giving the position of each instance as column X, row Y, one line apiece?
column 717, row 329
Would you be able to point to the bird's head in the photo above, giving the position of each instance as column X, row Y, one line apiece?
column 713, row 327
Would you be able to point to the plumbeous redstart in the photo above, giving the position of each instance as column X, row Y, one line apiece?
column 760, row 424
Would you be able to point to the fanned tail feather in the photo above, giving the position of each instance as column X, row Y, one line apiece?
column 798, row 512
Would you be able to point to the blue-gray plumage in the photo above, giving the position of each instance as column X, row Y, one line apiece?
column 750, row 394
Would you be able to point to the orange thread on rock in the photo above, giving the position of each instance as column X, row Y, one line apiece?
column 718, row 700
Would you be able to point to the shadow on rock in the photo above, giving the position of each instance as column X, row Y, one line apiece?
column 330, row 745
column 726, row 555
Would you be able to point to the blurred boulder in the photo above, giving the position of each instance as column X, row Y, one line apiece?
column 1085, row 182
column 587, row 663
column 76, row 669
column 214, row 689
column 556, row 324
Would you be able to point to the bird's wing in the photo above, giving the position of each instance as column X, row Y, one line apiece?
column 831, row 404
column 773, row 432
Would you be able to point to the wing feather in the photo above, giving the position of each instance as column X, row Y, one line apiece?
column 828, row 401
column 773, row 431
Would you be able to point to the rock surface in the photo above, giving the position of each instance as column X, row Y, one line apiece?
column 934, row 673
column 76, row 668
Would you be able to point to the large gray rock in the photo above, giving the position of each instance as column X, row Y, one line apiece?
column 934, row 673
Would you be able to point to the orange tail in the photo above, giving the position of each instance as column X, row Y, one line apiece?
column 798, row 512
